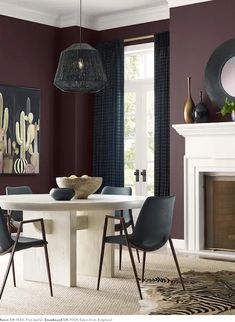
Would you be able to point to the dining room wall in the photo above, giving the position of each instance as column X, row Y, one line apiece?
column 28, row 54
column 74, row 117
column 195, row 32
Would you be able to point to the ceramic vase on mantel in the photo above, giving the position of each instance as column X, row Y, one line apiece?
column 189, row 104
column 200, row 112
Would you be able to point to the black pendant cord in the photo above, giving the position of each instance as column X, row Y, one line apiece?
column 201, row 96
column 80, row 21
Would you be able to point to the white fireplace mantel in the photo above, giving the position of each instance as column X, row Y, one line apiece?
column 209, row 150
column 208, row 140
column 202, row 129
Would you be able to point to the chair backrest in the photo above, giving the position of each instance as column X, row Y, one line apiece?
column 153, row 226
column 20, row 190
column 108, row 190
column 5, row 238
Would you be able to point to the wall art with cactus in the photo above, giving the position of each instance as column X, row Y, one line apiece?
column 19, row 130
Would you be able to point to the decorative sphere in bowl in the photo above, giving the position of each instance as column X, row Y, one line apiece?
column 83, row 186
column 62, row 193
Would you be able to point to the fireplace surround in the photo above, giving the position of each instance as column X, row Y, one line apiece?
column 209, row 151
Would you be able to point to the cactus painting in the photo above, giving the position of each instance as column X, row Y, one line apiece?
column 19, row 130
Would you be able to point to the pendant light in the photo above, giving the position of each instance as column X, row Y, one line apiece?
column 80, row 68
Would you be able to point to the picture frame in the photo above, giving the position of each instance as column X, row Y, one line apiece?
column 19, row 130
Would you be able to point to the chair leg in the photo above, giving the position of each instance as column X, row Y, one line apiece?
column 143, row 266
column 131, row 257
column 120, row 247
column 120, row 257
column 13, row 272
column 120, row 253
column 102, row 251
column 46, row 255
column 138, row 255
column 101, row 263
column 132, row 226
column 48, row 268
column 7, row 272
column 134, row 269
column 176, row 262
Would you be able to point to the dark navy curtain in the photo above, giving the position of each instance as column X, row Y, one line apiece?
column 108, row 142
column 162, row 128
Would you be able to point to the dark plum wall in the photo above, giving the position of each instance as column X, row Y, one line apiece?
column 29, row 55
column 28, row 58
column 195, row 32
column 74, row 118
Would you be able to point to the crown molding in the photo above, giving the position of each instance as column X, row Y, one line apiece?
column 19, row 12
column 88, row 22
column 179, row 3
column 132, row 17
column 119, row 19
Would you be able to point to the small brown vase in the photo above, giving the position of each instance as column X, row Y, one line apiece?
column 189, row 104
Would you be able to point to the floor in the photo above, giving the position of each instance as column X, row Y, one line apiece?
column 117, row 296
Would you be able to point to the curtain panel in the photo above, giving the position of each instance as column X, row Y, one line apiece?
column 162, row 111
column 108, row 142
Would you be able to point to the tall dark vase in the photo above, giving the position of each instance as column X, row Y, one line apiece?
column 189, row 104
column 200, row 112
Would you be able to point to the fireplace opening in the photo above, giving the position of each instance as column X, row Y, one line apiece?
column 220, row 212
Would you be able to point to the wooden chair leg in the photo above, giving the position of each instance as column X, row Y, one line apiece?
column 102, row 251
column 120, row 253
column 138, row 255
column 7, row 272
column 176, row 262
column 120, row 257
column 131, row 257
column 13, row 272
column 143, row 266
column 120, row 247
column 135, row 271
column 48, row 268
column 132, row 226
column 46, row 255
column 101, row 263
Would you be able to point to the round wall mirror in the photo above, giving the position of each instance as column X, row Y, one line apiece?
column 228, row 77
column 220, row 73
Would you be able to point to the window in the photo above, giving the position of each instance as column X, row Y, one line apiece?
column 139, row 118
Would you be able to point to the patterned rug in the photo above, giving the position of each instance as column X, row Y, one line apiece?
column 206, row 293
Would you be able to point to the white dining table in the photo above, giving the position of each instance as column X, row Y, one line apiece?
column 74, row 233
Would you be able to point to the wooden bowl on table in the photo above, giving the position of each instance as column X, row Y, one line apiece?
column 83, row 186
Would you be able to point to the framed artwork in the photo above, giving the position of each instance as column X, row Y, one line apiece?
column 19, row 130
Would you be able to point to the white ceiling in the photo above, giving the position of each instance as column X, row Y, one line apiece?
column 96, row 14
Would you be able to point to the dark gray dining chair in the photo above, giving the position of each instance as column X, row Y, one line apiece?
column 11, row 244
column 151, row 232
column 126, row 214
column 16, row 215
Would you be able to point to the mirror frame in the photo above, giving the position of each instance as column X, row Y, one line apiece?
column 213, row 71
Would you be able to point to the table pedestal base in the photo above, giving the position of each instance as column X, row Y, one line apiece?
column 74, row 249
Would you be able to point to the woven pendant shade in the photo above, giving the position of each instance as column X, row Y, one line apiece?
column 80, row 70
